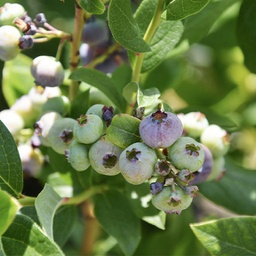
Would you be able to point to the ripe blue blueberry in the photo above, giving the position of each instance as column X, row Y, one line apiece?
column 160, row 129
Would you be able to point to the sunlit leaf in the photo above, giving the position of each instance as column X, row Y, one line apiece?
column 92, row 6
column 225, row 237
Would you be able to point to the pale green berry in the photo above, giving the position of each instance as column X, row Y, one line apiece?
column 88, row 129
column 187, row 153
column 195, row 123
column 95, row 109
column 216, row 139
column 59, row 104
column 31, row 159
column 9, row 12
column 77, row 156
column 61, row 134
column 44, row 124
column 218, row 169
column 104, row 157
column 9, row 42
column 12, row 120
column 137, row 163
column 171, row 200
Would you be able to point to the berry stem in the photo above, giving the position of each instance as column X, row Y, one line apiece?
column 152, row 27
column 74, row 48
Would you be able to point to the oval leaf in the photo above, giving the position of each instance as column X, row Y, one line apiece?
column 92, row 6
column 8, row 208
column 166, row 37
column 180, row 9
column 124, row 130
column 101, row 81
column 235, row 191
column 11, row 179
column 247, row 34
column 47, row 203
column 233, row 236
column 124, row 27
column 114, row 213
column 24, row 237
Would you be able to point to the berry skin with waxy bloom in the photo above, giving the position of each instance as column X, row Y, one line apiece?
column 61, row 134
column 88, row 128
column 160, row 129
column 171, row 201
column 137, row 163
column 47, row 71
column 186, row 153
column 77, row 156
column 9, row 12
column 9, row 42
column 104, row 157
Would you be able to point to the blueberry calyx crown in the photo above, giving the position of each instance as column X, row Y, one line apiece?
column 158, row 117
column 132, row 155
column 192, row 149
column 82, row 120
column 66, row 135
column 109, row 160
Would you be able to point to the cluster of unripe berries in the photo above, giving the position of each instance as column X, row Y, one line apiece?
column 174, row 154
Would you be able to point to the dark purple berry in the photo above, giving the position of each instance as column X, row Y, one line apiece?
column 156, row 187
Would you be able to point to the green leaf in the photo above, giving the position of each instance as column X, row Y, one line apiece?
column 140, row 198
column 65, row 214
column 124, row 28
column 115, row 215
column 199, row 25
column 101, row 81
column 8, row 208
column 24, row 237
column 225, row 237
column 123, row 130
column 11, row 179
column 246, row 33
column 80, row 104
column 148, row 97
column 130, row 92
column 47, row 203
column 92, row 6
column 180, row 9
column 17, row 79
column 165, row 39
column 236, row 191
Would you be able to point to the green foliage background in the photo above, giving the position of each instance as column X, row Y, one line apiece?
column 206, row 73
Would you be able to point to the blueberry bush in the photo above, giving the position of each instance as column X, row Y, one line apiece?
column 128, row 127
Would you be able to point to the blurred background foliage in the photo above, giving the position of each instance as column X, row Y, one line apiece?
column 208, row 76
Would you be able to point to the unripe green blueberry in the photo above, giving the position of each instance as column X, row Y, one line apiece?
column 47, row 71
column 88, row 129
column 160, row 129
column 59, row 104
column 186, row 153
column 31, row 159
column 137, row 163
column 218, row 169
column 104, row 157
column 77, row 156
column 25, row 107
column 44, row 124
column 195, row 123
column 95, row 109
column 9, row 12
column 171, row 201
column 39, row 95
column 61, row 134
column 216, row 139
column 9, row 42
column 12, row 120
